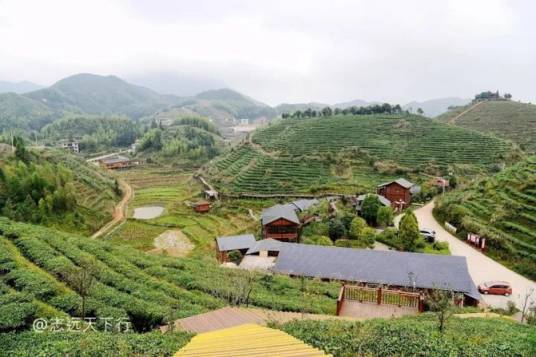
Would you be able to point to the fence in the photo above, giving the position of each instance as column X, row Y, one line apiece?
column 379, row 296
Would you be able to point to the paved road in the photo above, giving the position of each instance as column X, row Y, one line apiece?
column 481, row 267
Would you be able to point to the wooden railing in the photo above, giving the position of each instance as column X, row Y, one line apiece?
column 381, row 296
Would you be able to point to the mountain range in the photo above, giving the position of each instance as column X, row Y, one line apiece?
column 111, row 95
column 18, row 87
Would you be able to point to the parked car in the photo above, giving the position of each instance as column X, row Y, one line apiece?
column 496, row 288
column 428, row 235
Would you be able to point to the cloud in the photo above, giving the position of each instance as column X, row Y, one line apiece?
column 280, row 50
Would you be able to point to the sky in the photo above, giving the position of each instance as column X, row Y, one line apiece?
column 279, row 51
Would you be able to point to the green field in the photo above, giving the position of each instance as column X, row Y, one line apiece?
column 350, row 153
column 175, row 190
column 501, row 208
column 510, row 120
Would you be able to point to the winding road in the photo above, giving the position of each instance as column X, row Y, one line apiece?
column 120, row 210
column 481, row 267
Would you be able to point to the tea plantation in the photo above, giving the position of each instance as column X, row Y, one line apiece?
column 501, row 208
column 36, row 280
column 510, row 120
column 338, row 152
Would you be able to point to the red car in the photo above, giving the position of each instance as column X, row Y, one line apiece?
column 496, row 288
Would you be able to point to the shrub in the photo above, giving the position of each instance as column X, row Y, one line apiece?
column 385, row 216
column 409, row 231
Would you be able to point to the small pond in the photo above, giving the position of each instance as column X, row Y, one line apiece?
column 148, row 212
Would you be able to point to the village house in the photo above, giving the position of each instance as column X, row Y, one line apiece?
column 225, row 245
column 72, row 146
column 359, row 201
column 280, row 222
column 399, row 192
column 201, row 206
column 117, row 162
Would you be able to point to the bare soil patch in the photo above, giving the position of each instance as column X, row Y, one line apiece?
column 172, row 242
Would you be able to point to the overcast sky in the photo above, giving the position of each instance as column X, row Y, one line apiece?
column 281, row 51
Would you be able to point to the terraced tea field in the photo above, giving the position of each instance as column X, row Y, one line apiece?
column 36, row 280
column 510, row 120
column 339, row 152
column 502, row 209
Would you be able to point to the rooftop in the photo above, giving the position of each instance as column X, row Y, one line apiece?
column 304, row 204
column 425, row 271
column 115, row 159
column 401, row 181
column 244, row 241
column 384, row 201
column 279, row 211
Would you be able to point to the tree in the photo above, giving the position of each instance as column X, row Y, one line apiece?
column 526, row 303
column 369, row 209
column 420, row 111
column 357, row 227
column 409, row 231
column 385, row 216
column 20, row 149
column 81, row 279
column 336, row 229
column 327, row 111
column 440, row 302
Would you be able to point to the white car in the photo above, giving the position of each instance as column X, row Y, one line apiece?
column 428, row 234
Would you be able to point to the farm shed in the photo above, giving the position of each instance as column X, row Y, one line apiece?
column 304, row 204
column 201, row 206
column 280, row 222
column 241, row 243
column 211, row 195
column 117, row 162
column 399, row 192
column 359, row 201
column 398, row 270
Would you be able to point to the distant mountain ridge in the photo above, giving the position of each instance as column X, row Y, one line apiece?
column 435, row 107
column 18, row 87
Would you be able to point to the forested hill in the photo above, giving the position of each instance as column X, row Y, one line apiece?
column 350, row 153
column 501, row 208
column 506, row 119
column 95, row 94
column 54, row 188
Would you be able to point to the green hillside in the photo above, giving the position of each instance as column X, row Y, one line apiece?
column 187, row 141
column 349, row 153
column 95, row 94
column 501, row 208
column 225, row 106
column 505, row 119
column 56, row 189
column 19, row 112
column 38, row 269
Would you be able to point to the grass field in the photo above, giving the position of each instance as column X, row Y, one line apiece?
column 350, row 153
column 501, row 208
column 510, row 120
column 175, row 191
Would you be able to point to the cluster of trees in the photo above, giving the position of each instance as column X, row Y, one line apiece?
column 93, row 133
column 385, row 108
column 488, row 95
column 189, row 138
column 34, row 191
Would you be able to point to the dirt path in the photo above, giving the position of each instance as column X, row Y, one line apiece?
column 481, row 267
column 453, row 120
column 120, row 210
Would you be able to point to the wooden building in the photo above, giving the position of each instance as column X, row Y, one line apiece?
column 399, row 192
column 280, row 222
column 225, row 245
column 201, row 206
column 117, row 162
